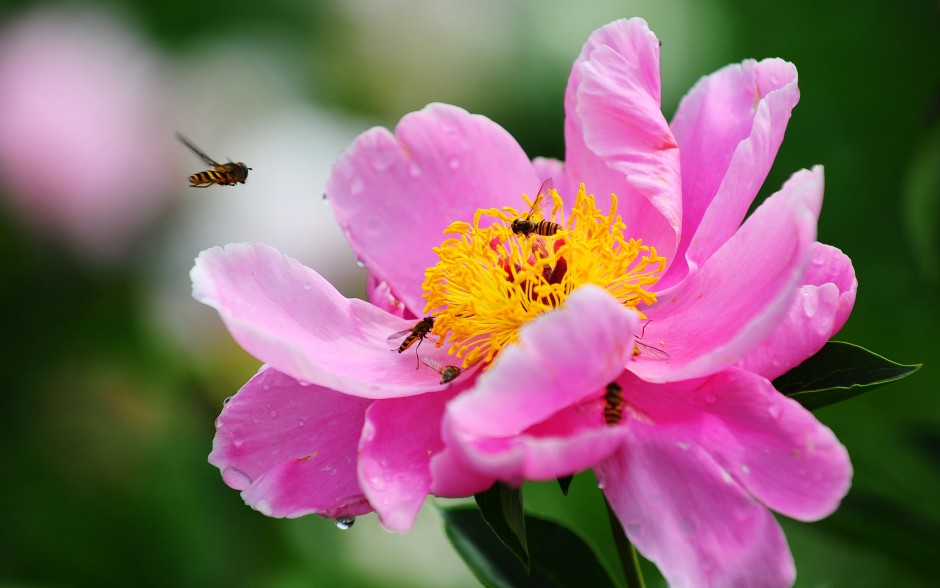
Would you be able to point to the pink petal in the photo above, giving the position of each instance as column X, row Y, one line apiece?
column 287, row 315
column 767, row 443
column 569, row 441
column 821, row 307
column 379, row 294
column 617, row 138
column 395, row 194
column 563, row 356
column 399, row 437
column 453, row 477
column 729, row 128
column 547, row 167
column 728, row 307
column 684, row 513
column 291, row 448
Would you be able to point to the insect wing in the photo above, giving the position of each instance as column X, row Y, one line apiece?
column 197, row 151
column 547, row 185
column 433, row 364
column 395, row 336
column 649, row 350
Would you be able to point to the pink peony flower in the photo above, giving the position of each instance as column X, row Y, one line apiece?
column 83, row 139
column 637, row 335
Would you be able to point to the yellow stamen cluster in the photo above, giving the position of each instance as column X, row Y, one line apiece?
column 490, row 281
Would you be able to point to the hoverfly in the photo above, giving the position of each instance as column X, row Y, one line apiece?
column 416, row 333
column 524, row 225
column 640, row 348
column 447, row 372
column 224, row 174
column 613, row 404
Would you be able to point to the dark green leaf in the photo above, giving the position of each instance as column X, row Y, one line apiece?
column 629, row 558
column 839, row 371
column 501, row 507
column 559, row 557
column 565, row 483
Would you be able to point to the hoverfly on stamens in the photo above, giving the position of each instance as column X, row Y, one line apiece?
column 223, row 174
column 613, row 404
column 417, row 333
column 525, row 226
column 448, row 372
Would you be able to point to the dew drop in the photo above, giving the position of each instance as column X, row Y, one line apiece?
column 711, row 398
column 774, row 411
column 357, row 186
column 377, row 484
column 226, row 401
column 382, row 160
column 235, row 478
column 360, row 262
column 273, row 414
column 809, row 304
column 238, row 436
column 344, row 523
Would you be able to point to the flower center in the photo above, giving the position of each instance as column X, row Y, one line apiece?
column 508, row 267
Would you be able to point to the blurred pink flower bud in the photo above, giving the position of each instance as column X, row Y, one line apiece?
column 83, row 140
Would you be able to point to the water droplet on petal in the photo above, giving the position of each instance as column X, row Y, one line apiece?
column 711, row 398
column 377, row 484
column 809, row 304
column 360, row 262
column 382, row 160
column 356, row 186
column 235, row 478
column 238, row 436
column 819, row 257
column 226, row 401
column 774, row 411
column 344, row 523
column 273, row 414
column 307, row 285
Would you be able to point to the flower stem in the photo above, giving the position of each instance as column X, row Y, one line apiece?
column 629, row 559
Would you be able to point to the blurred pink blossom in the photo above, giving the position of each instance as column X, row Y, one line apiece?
column 83, row 137
column 700, row 448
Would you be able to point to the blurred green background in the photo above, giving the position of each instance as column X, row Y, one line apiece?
column 114, row 374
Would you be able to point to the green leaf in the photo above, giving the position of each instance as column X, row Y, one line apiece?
column 839, row 371
column 501, row 507
column 559, row 557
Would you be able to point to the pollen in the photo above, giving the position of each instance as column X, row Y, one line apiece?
column 490, row 281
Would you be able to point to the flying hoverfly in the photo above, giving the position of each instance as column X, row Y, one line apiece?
column 525, row 226
column 447, row 372
column 223, row 174
column 416, row 333
column 613, row 404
